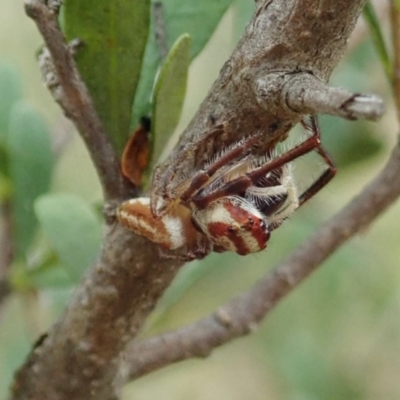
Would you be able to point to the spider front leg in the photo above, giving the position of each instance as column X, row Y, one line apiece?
column 203, row 176
column 161, row 202
column 242, row 183
column 326, row 176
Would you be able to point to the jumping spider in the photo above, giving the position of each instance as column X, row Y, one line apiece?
column 232, row 204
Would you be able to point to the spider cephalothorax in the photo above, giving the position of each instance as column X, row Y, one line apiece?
column 232, row 204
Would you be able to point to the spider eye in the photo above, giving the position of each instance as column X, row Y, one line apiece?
column 263, row 225
column 231, row 229
column 251, row 221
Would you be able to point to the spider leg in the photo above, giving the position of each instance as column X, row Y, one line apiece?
column 286, row 190
column 203, row 176
column 265, row 192
column 291, row 204
column 243, row 182
column 197, row 253
column 323, row 180
column 271, row 193
column 295, row 200
column 316, row 186
column 327, row 175
column 163, row 173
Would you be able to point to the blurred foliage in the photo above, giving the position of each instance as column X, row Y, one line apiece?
column 30, row 166
column 377, row 36
column 73, row 228
column 336, row 337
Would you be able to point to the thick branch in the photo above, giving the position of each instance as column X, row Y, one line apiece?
column 243, row 313
column 76, row 101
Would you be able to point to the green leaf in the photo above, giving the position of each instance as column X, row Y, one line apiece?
column 31, row 165
column 73, row 229
column 169, row 94
column 114, row 34
column 377, row 38
column 10, row 93
column 197, row 18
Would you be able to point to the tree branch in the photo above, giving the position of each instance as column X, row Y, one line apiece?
column 242, row 314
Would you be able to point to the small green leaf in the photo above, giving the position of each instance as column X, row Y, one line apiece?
column 169, row 94
column 197, row 18
column 31, row 165
column 114, row 34
column 10, row 93
column 377, row 38
column 73, row 229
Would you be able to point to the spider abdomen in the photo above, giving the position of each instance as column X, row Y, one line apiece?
column 233, row 224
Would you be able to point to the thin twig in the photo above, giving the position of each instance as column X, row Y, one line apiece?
column 77, row 103
column 242, row 314
column 306, row 93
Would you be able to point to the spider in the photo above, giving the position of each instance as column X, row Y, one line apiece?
column 232, row 204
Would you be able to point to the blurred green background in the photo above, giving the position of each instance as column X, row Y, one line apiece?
column 336, row 337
